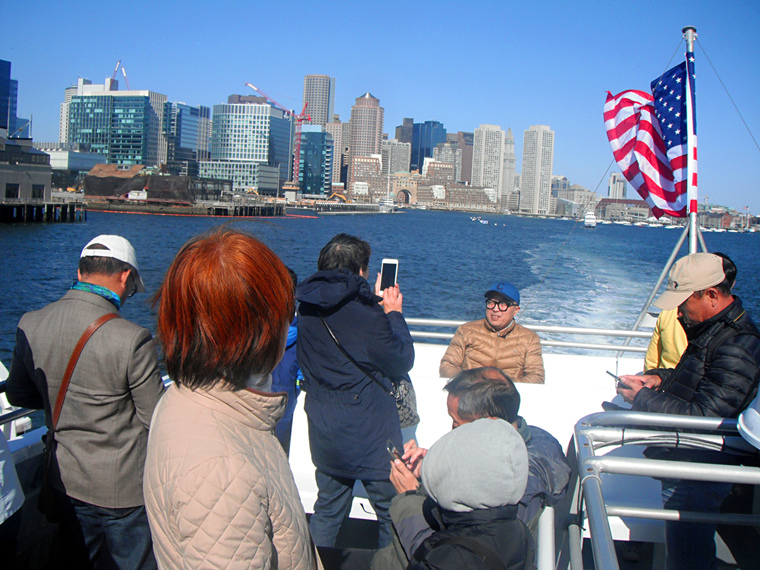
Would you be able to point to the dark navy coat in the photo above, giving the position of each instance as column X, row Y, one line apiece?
column 350, row 416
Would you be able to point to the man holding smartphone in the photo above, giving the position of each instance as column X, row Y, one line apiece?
column 351, row 343
column 497, row 340
column 717, row 375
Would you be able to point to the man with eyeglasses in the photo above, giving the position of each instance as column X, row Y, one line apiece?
column 717, row 375
column 498, row 341
column 102, row 432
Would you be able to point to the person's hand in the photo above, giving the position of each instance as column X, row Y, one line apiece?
column 413, row 456
column 378, row 282
column 402, row 478
column 636, row 383
column 392, row 299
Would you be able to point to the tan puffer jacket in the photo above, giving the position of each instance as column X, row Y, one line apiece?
column 515, row 350
column 218, row 488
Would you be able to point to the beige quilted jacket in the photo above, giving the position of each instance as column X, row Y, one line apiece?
column 515, row 350
column 218, row 488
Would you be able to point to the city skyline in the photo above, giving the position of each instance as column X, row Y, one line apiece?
column 200, row 57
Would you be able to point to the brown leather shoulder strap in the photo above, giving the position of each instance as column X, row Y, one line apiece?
column 73, row 362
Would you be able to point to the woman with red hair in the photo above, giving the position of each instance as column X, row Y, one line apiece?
column 218, row 488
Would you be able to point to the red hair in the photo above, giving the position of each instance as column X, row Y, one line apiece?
column 223, row 310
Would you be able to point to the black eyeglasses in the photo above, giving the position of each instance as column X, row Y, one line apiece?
column 134, row 284
column 502, row 305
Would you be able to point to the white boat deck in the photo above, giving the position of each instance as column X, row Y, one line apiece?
column 576, row 386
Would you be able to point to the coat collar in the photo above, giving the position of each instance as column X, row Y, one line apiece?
column 503, row 332
column 258, row 410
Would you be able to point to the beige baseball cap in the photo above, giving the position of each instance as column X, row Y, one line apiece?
column 695, row 272
column 118, row 248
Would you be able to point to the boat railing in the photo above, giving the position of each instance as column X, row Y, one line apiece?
column 543, row 331
column 601, row 431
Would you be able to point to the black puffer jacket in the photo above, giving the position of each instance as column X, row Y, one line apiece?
column 718, row 373
column 498, row 530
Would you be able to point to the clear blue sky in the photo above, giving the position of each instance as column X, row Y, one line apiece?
column 512, row 64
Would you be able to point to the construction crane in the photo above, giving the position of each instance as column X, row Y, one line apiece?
column 299, row 119
column 115, row 69
column 124, row 71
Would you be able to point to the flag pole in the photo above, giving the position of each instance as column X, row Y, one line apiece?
column 690, row 34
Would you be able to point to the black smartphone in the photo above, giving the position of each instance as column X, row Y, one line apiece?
column 619, row 382
column 392, row 451
column 388, row 273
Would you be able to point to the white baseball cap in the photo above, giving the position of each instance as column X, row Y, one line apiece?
column 118, row 248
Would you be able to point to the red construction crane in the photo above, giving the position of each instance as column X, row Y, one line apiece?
column 299, row 119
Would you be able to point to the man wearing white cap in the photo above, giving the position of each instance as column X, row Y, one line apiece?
column 717, row 375
column 101, row 432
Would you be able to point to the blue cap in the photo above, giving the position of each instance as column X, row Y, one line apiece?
column 505, row 290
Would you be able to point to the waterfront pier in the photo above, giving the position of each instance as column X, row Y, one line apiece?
column 28, row 212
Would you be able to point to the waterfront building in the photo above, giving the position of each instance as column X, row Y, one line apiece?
column 511, row 200
column 187, row 130
column 25, row 173
column 69, row 162
column 124, row 126
column 488, row 157
column 396, row 156
column 367, row 185
column 405, row 131
column 439, row 172
column 617, row 186
column 559, row 183
column 614, row 209
column 465, row 142
column 538, row 159
column 450, row 153
column 319, row 93
column 366, row 130
column 510, row 165
column 425, row 137
column 316, row 161
column 251, row 145
column 586, row 199
column 404, row 186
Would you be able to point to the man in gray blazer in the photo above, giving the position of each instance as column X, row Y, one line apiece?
column 102, row 431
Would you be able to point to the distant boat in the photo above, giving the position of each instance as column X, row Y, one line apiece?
column 589, row 220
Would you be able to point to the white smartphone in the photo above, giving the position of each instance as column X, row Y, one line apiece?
column 388, row 273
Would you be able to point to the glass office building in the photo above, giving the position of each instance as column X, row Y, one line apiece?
column 425, row 137
column 124, row 126
column 251, row 144
column 316, row 161
column 186, row 129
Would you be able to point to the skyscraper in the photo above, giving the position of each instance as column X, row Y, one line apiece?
column 425, row 137
column 319, row 93
column 465, row 142
column 450, row 153
column 316, row 161
column 186, row 130
column 250, row 145
column 488, row 157
column 617, row 187
column 405, row 131
column 366, row 128
column 17, row 127
column 538, row 159
column 395, row 156
column 510, row 164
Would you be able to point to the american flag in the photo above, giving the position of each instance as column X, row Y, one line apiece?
column 648, row 136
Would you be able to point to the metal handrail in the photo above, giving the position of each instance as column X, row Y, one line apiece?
column 628, row 428
column 538, row 328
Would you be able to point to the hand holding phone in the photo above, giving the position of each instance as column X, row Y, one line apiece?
column 388, row 273
column 392, row 451
column 619, row 383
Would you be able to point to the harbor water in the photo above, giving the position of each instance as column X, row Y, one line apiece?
column 566, row 274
